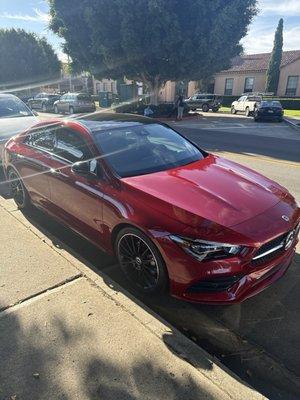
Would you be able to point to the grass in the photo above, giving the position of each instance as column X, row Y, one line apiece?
column 287, row 113
column 292, row 113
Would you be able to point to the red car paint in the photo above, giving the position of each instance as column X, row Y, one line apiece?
column 213, row 199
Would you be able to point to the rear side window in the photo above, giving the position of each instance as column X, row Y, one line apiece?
column 84, row 97
column 42, row 138
column 71, row 146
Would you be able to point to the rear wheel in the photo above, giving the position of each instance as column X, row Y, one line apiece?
column 141, row 261
column 18, row 190
column 205, row 107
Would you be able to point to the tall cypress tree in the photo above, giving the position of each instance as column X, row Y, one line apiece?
column 275, row 60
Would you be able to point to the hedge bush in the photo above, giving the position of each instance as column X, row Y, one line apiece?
column 161, row 110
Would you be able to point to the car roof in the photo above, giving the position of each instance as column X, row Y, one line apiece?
column 103, row 121
column 7, row 95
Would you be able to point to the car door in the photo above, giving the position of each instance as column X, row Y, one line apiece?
column 76, row 198
column 34, row 101
column 34, row 164
column 241, row 103
column 61, row 105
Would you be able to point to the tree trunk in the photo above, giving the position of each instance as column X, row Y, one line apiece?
column 154, row 87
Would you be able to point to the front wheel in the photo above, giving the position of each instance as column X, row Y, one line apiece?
column 141, row 261
column 233, row 110
column 205, row 108
column 18, row 190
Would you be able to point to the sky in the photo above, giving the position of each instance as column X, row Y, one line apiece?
column 32, row 15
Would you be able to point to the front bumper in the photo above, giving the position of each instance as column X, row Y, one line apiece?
column 270, row 116
column 189, row 279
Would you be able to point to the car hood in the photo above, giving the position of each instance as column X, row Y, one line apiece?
column 9, row 127
column 214, row 188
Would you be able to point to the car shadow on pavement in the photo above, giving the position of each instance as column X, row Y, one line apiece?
column 46, row 357
column 269, row 319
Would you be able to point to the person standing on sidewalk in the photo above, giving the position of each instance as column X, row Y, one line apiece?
column 180, row 107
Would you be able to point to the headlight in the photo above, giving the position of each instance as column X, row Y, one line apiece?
column 203, row 250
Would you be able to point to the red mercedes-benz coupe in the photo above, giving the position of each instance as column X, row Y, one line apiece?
column 179, row 219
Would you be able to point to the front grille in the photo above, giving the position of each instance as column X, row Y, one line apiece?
column 214, row 285
column 279, row 241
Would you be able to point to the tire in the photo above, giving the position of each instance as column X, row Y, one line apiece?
column 71, row 110
column 18, row 191
column 55, row 109
column 44, row 107
column 205, row 107
column 141, row 262
column 233, row 110
column 247, row 112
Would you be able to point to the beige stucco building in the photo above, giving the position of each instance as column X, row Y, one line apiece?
column 248, row 74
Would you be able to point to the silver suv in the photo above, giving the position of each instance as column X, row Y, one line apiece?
column 74, row 102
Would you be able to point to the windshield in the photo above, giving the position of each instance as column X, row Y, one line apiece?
column 84, row 97
column 270, row 103
column 12, row 107
column 145, row 149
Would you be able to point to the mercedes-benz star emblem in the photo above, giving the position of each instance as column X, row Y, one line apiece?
column 285, row 218
column 289, row 240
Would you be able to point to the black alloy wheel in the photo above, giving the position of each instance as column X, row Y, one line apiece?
column 141, row 262
column 18, row 190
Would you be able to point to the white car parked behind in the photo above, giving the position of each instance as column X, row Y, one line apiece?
column 15, row 117
column 246, row 104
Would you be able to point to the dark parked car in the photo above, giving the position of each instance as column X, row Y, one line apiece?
column 268, row 110
column 204, row 101
column 43, row 101
column 74, row 103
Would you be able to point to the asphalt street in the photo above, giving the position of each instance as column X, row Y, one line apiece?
column 258, row 338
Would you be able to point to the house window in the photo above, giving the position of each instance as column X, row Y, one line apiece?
column 291, row 87
column 249, row 84
column 228, row 86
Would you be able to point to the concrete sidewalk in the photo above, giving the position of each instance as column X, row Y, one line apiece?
column 66, row 334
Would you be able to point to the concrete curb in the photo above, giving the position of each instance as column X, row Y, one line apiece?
column 291, row 123
column 183, row 347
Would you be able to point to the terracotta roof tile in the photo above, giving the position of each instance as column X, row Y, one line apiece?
column 259, row 62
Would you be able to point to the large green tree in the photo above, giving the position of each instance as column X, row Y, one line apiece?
column 151, row 40
column 275, row 60
column 25, row 59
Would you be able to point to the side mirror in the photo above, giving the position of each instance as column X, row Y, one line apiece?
column 83, row 168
